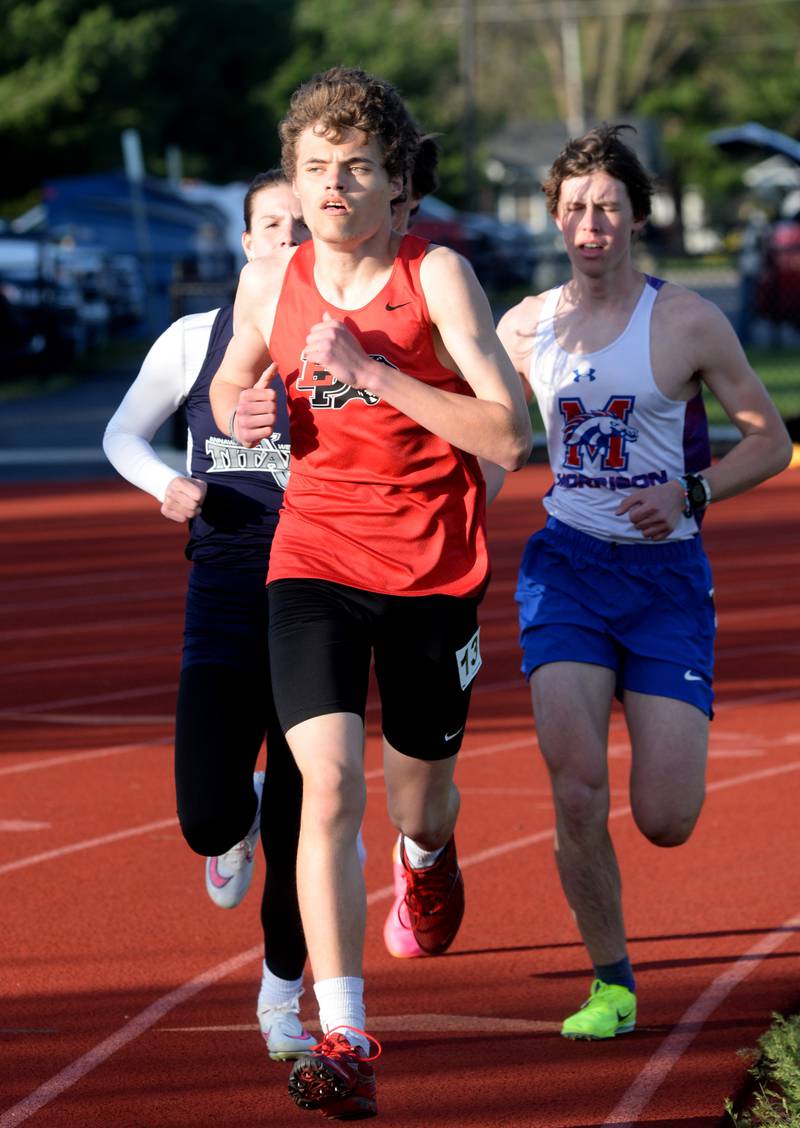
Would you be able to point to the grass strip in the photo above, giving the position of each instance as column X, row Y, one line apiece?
column 771, row 1099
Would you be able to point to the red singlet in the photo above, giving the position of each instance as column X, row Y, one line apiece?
column 374, row 500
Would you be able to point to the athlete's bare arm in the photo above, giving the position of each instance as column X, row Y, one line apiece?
column 241, row 383
column 495, row 424
column 694, row 342
column 765, row 447
column 516, row 330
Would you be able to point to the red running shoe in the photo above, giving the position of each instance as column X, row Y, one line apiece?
column 336, row 1078
column 435, row 900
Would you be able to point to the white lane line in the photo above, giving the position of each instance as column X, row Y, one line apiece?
column 86, row 844
column 102, row 626
column 485, row 855
column 161, row 594
column 96, row 720
column 677, row 1042
column 161, row 565
column 92, row 699
column 95, row 658
column 34, row 711
column 38, row 710
column 408, row 1023
column 73, row 1073
column 75, row 757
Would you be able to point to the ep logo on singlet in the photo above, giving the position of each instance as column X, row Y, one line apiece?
column 326, row 391
column 601, row 436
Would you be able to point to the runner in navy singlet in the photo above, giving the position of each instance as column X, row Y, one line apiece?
column 231, row 497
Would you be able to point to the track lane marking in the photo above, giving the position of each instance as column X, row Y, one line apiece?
column 71, row 1074
column 76, row 757
column 47, row 1092
column 640, row 1093
column 87, row 844
column 37, row 710
column 407, row 1023
column 375, row 773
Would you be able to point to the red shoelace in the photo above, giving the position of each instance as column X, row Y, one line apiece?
column 331, row 1044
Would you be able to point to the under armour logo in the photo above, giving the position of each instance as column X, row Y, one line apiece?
column 583, row 371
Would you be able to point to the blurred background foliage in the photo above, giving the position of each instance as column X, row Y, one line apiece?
column 214, row 76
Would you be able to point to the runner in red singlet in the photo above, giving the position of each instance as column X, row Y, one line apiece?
column 397, row 386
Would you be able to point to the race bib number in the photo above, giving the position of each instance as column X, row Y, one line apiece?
column 469, row 659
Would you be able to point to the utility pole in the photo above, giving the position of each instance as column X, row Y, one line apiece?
column 134, row 170
column 468, row 84
column 573, row 71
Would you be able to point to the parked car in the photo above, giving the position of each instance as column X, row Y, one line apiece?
column 440, row 223
column 502, row 254
column 44, row 302
column 778, row 283
column 20, row 344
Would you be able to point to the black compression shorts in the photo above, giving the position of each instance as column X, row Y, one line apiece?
column 323, row 635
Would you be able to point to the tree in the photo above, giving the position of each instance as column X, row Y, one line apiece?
column 400, row 40
column 74, row 75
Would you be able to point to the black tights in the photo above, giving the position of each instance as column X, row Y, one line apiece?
column 222, row 717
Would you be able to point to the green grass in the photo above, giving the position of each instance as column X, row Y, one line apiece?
column 773, row 1099
column 780, row 371
column 111, row 356
column 779, row 368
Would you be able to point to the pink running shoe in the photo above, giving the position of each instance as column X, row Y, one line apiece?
column 432, row 907
column 397, row 935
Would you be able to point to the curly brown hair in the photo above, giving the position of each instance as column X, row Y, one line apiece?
column 346, row 98
column 601, row 149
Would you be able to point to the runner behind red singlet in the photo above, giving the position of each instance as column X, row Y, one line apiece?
column 230, row 496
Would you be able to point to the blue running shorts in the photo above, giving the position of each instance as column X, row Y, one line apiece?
column 645, row 611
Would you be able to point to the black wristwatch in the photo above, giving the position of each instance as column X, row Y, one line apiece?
column 696, row 493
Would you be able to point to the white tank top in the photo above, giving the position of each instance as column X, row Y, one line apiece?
column 610, row 430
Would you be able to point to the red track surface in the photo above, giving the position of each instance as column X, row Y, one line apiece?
column 128, row 999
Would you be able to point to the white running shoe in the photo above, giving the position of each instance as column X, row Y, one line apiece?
column 228, row 876
column 284, row 1034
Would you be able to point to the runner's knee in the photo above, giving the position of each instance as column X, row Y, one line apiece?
column 334, row 795
column 581, row 803
column 211, row 837
column 666, row 828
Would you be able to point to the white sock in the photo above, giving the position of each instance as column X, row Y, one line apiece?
column 416, row 857
column 341, row 1003
column 276, row 992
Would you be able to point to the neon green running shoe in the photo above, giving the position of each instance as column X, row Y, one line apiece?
column 609, row 1010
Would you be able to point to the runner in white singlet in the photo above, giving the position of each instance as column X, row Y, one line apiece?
column 615, row 592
